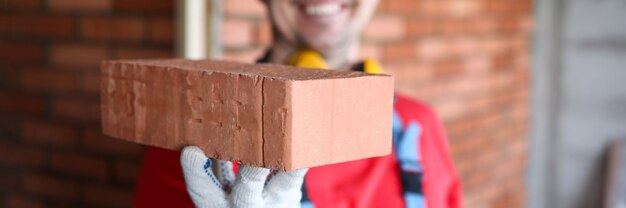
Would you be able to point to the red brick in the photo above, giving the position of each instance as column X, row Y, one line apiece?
column 432, row 49
column 264, row 34
column 50, row 187
column 79, row 165
column 49, row 80
column 466, row 8
column 237, row 33
column 76, row 109
column 399, row 51
column 68, row 55
column 45, row 26
column 489, row 158
column 458, row 128
column 477, row 181
column 160, row 6
column 370, row 51
column 21, row 103
column 9, row 127
column 501, row 82
column 494, row 45
column 482, row 102
column 94, row 140
column 21, row 52
column 385, row 28
column 478, row 123
column 501, row 7
column 468, row 87
column 9, row 182
column 161, row 30
column 434, row 7
column 450, row 109
column 502, row 61
column 519, row 148
column 481, row 25
column 458, row 86
column 21, row 4
column 399, row 6
column 126, row 172
column 113, row 29
column 464, row 46
column 90, row 83
column 117, row 113
column 141, row 53
column 420, row 27
column 507, row 24
column 524, row 7
column 412, row 73
column 467, row 147
column 245, row 8
column 80, row 5
column 472, row 200
column 427, row 92
column 107, row 196
column 448, row 69
column 452, row 26
column 14, row 155
column 520, row 47
column 47, row 133
column 15, row 201
column 9, row 76
column 509, row 169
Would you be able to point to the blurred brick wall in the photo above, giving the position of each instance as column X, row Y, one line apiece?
column 467, row 58
column 51, row 149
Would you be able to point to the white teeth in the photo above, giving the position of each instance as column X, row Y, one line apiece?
column 323, row 9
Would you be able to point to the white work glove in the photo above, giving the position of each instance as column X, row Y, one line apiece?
column 249, row 188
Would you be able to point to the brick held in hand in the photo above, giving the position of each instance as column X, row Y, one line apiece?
column 265, row 115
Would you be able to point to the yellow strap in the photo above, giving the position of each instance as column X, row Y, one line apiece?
column 312, row 59
column 372, row 66
column 307, row 59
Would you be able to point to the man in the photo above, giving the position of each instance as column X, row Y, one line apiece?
column 419, row 172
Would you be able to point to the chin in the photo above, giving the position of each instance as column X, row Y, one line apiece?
column 322, row 39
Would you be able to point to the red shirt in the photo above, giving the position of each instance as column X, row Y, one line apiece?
column 373, row 182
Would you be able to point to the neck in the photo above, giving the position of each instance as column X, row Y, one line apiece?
column 340, row 56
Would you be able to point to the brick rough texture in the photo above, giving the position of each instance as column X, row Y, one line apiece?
column 470, row 61
column 272, row 116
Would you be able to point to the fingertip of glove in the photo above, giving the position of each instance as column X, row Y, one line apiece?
column 194, row 155
column 191, row 149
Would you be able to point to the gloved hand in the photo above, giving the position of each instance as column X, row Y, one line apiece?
column 249, row 188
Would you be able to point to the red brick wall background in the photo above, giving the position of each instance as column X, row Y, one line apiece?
column 51, row 149
column 469, row 59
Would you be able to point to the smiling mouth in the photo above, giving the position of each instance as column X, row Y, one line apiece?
column 323, row 8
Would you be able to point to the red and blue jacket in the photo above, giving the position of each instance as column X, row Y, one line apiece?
column 419, row 172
